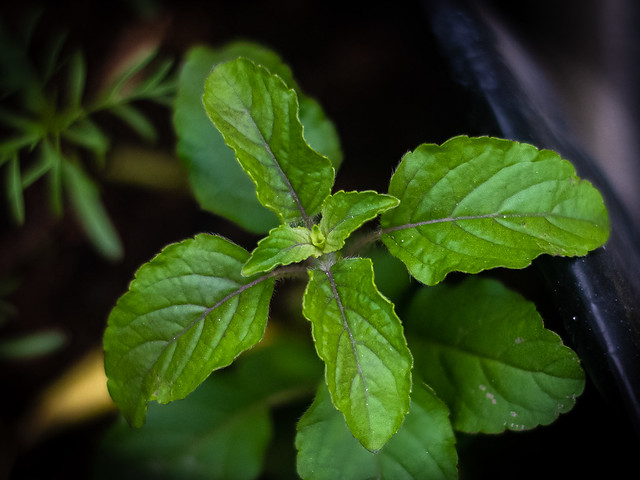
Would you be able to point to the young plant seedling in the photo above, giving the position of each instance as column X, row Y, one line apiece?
column 473, row 356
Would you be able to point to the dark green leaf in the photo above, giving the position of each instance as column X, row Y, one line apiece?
column 37, row 170
column 157, row 83
column 76, row 80
column 50, row 155
column 114, row 91
column 479, row 203
column 136, row 120
column 221, row 430
column 12, row 146
column 14, row 190
column 32, row 345
column 188, row 312
column 319, row 132
column 359, row 337
column 28, row 126
column 86, row 134
column 93, row 217
column 51, row 54
column 217, row 180
column 486, row 353
column 423, row 448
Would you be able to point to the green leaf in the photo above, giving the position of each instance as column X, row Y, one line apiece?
column 115, row 90
column 257, row 115
column 479, row 203
column 77, row 77
column 283, row 246
column 51, row 155
column 36, row 170
column 424, row 448
column 13, row 145
column 217, row 179
column 188, row 312
column 136, row 120
column 359, row 337
column 344, row 212
column 220, row 431
column 87, row 134
column 85, row 199
column 51, row 50
column 486, row 353
column 157, row 84
column 30, row 129
column 32, row 345
column 319, row 132
column 14, row 189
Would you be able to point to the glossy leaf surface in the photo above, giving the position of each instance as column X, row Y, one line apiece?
column 486, row 353
column 344, row 212
column 188, row 312
column 283, row 245
column 257, row 115
column 479, row 203
column 423, row 448
column 359, row 337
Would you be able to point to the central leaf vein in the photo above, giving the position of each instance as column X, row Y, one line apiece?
column 346, row 328
column 274, row 159
column 474, row 217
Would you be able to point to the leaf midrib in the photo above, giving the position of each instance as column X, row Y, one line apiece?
column 346, row 328
column 266, row 145
column 480, row 217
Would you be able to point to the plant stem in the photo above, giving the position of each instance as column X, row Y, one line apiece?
column 289, row 271
column 362, row 242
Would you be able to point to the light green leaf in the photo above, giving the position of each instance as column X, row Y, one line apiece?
column 344, row 212
column 14, row 189
column 188, row 312
column 136, row 120
column 283, row 246
column 479, row 203
column 359, row 337
column 257, row 115
column 220, row 431
column 486, row 353
column 85, row 199
column 423, row 448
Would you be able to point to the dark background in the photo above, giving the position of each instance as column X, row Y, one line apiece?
column 377, row 69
